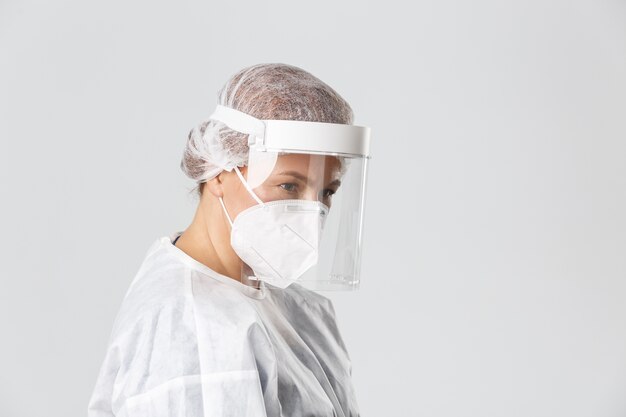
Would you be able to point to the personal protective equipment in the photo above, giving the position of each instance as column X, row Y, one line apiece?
column 318, row 162
column 267, row 90
column 188, row 341
column 279, row 240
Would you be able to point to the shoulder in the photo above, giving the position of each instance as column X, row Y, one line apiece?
column 161, row 328
column 167, row 291
column 157, row 288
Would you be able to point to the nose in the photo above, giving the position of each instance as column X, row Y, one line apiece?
column 312, row 193
column 316, row 194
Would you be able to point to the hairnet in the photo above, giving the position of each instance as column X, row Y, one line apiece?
column 265, row 91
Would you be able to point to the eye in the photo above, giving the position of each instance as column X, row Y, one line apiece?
column 289, row 186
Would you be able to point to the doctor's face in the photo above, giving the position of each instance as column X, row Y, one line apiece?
column 294, row 176
column 302, row 177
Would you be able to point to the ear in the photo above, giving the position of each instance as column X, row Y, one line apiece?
column 215, row 185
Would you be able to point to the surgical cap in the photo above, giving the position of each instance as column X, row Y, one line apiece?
column 265, row 91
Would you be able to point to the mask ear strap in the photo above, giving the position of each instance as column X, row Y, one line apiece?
column 226, row 211
column 245, row 183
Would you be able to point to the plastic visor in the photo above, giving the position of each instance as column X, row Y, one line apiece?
column 311, row 160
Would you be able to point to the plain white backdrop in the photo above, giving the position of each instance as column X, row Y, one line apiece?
column 494, row 270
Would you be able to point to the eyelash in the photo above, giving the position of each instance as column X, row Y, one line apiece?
column 288, row 183
column 296, row 185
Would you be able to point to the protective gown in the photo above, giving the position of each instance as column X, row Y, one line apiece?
column 188, row 341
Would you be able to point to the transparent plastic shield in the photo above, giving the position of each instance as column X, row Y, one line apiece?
column 339, row 262
column 338, row 183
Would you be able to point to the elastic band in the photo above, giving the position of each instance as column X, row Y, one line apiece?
column 226, row 212
column 239, row 121
column 245, row 183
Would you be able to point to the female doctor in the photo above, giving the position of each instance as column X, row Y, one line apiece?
column 224, row 318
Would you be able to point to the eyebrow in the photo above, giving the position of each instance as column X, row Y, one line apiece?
column 304, row 179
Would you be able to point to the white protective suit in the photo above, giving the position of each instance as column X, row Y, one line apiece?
column 188, row 341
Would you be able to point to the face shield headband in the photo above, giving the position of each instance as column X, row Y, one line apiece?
column 297, row 136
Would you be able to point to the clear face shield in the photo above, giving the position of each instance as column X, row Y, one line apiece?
column 308, row 179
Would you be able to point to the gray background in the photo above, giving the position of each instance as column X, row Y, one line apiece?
column 494, row 270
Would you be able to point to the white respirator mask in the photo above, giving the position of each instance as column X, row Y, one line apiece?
column 278, row 240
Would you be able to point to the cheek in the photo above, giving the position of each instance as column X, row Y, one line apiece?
column 241, row 200
column 269, row 193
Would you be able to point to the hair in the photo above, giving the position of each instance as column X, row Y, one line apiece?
column 265, row 91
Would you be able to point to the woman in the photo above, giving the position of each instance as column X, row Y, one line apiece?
column 220, row 319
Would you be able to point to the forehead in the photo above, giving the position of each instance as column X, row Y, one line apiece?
column 303, row 163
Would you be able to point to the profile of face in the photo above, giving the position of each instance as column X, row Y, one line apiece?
column 294, row 176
